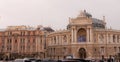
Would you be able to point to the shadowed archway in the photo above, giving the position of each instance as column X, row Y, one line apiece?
column 82, row 53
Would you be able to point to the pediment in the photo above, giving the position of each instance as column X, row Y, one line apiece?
column 81, row 21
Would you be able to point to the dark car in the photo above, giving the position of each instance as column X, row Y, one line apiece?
column 88, row 60
column 48, row 60
column 68, row 61
column 80, row 60
column 38, row 60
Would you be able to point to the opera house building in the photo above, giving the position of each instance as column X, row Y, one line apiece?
column 85, row 37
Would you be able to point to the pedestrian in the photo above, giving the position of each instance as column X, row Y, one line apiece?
column 110, row 59
column 103, row 59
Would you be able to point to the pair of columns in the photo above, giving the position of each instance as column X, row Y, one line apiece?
column 74, row 31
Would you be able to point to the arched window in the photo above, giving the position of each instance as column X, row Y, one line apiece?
column 101, row 37
column 15, row 40
column 65, row 38
column 64, row 50
column 81, row 35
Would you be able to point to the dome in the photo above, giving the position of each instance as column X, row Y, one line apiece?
column 95, row 22
column 98, row 23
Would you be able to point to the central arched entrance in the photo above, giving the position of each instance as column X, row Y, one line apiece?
column 82, row 53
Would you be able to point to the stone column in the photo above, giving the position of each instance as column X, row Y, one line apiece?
column 12, row 45
column 119, row 38
column 104, row 38
column 75, row 36
column 87, row 39
column 91, row 35
column 98, row 38
column 61, row 40
column 107, row 38
column 72, row 35
column 111, row 38
column 37, row 43
column 67, row 39
column 53, row 41
column 25, row 45
column 19, row 43
column 56, row 39
column 5, row 40
column 115, row 38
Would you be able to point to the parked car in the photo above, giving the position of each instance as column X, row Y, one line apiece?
column 30, row 59
column 67, row 61
column 88, row 60
column 48, row 60
column 21, row 60
column 80, row 60
column 38, row 60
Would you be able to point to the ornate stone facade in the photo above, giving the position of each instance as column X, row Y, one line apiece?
column 23, row 41
column 85, row 37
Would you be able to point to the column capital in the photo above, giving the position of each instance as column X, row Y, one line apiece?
column 73, row 27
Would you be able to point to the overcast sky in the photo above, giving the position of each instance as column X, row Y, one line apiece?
column 55, row 13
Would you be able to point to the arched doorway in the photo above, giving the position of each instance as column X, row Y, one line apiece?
column 82, row 53
column 81, row 35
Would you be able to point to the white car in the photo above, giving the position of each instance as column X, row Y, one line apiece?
column 21, row 60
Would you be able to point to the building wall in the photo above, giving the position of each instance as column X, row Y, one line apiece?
column 102, row 45
column 85, row 37
column 17, row 40
column 99, row 40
